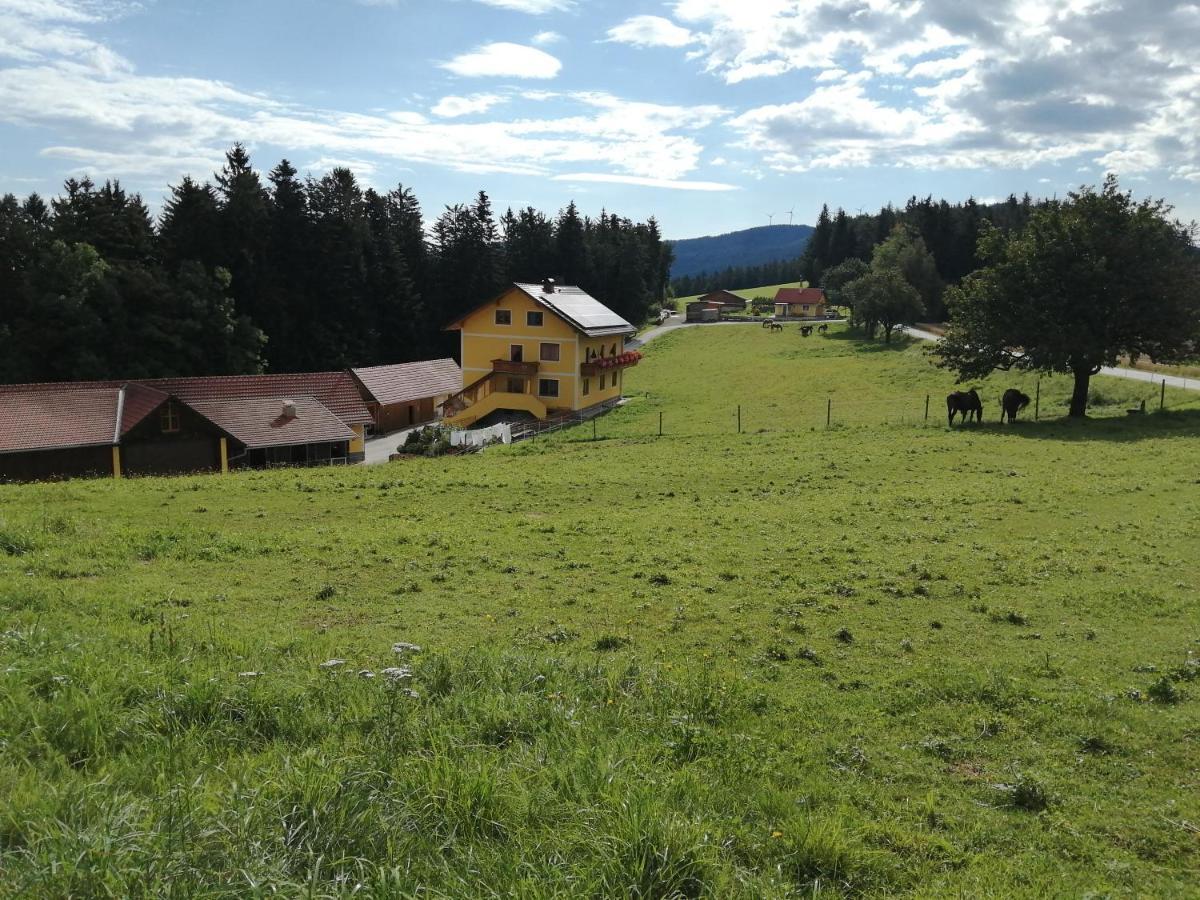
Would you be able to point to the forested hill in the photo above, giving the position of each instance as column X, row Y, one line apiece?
column 739, row 249
column 273, row 271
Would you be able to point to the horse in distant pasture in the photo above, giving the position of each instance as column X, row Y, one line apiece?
column 1012, row 403
column 966, row 403
column 775, row 326
column 821, row 329
column 805, row 330
column 767, row 323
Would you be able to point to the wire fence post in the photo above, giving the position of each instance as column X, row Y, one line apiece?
column 926, row 407
column 1037, row 402
column 593, row 428
column 1162, row 397
column 828, row 411
column 660, row 424
column 739, row 418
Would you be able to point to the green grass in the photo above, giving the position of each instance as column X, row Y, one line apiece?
column 876, row 659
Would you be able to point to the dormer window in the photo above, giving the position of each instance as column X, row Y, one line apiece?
column 169, row 419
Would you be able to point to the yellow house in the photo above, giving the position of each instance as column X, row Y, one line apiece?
column 544, row 349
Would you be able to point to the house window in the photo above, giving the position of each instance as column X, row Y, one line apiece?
column 615, row 378
column 549, row 352
column 516, row 353
column 602, row 382
column 548, row 387
column 504, row 317
column 587, row 386
column 169, row 418
column 613, row 351
column 534, row 319
column 805, row 307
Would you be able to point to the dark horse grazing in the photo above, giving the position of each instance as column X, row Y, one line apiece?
column 805, row 330
column 1012, row 403
column 966, row 403
column 774, row 326
column 821, row 329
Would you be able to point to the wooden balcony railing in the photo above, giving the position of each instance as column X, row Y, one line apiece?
column 512, row 367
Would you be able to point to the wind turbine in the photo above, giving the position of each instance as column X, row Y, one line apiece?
column 790, row 211
column 770, row 219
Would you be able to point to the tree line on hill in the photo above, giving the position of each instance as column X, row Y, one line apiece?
column 780, row 271
column 949, row 231
column 286, row 274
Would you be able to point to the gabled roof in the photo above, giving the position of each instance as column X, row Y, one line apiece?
column 573, row 305
column 137, row 402
column 58, row 417
column 261, row 423
column 336, row 391
column 403, row 382
column 799, row 295
column 723, row 296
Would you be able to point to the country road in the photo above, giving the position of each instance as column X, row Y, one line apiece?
column 1188, row 384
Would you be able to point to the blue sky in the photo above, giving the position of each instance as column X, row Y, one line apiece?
column 709, row 114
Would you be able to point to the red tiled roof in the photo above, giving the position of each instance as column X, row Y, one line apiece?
column 138, row 402
column 792, row 296
column 261, row 423
column 403, row 382
column 57, row 417
column 336, row 391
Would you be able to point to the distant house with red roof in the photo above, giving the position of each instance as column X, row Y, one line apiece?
column 799, row 303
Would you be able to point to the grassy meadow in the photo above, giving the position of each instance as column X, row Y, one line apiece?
column 880, row 658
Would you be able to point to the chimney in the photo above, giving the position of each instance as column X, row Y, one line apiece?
column 547, row 285
column 289, row 409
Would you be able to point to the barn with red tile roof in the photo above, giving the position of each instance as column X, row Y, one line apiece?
column 171, row 425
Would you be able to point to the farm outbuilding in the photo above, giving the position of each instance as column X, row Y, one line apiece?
column 174, row 425
column 729, row 301
column 703, row 311
column 405, row 394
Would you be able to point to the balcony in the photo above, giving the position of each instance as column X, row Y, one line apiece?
column 512, row 367
column 610, row 363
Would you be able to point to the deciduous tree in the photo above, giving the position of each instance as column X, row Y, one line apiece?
column 1087, row 281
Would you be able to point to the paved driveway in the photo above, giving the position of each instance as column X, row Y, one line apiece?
column 1188, row 384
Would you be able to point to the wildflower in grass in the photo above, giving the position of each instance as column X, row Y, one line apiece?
column 776, row 834
column 250, row 674
column 402, row 648
column 365, row 673
column 397, row 674
column 332, row 664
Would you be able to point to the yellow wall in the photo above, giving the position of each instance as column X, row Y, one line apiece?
column 612, row 379
column 358, row 443
column 483, row 340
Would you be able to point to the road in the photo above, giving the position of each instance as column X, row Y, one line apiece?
column 1188, row 384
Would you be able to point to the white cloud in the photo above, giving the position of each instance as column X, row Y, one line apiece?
column 650, row 31
column 505, row 60
column 943, row 84
column 535, row 7
column 453, row 107
column 114, row 121
column 641, row 181
column 546, row 38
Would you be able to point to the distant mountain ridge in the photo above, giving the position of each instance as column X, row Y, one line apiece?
column 749, row 247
